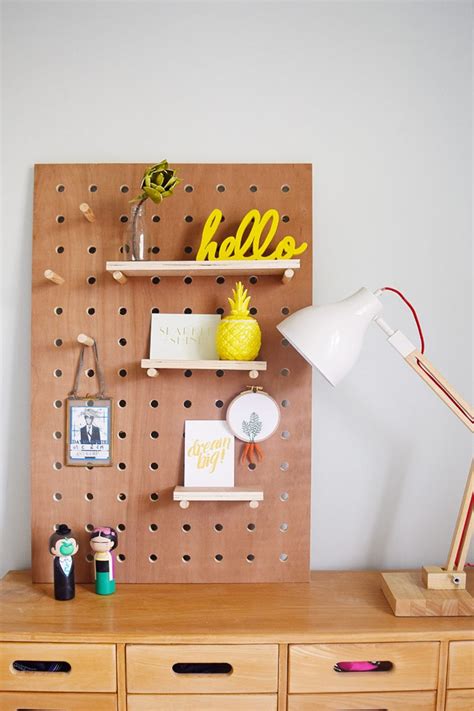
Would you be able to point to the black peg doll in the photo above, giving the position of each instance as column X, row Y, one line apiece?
column 63, row 545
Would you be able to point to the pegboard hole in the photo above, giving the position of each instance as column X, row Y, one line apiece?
column 252, row 466
column 285, row 372
column 60, row 249
column 188, row 280
column 284, row 466
column 155, row 310
column 253, row 188
column 186, row 558
column 187, row 310
column 89, row 558
column 153, row 558
column 89, row 527
column 220, row 188
column 122, row 403
column 90, row 311
column 57, row 466
column 154, row 403
column 155, row 280
column 285, row 343
column 92, row 249
column 253, row 279
column 283, row 557
column 121, row 558
column 121, row 527
column 250, row 527
column 188, row 249
column 155, row 249
column 253, row 311
column 218, row 527
column 122, row 466
column 285, row 188
column 89, row 467
column 121, row 496
column 285, row 218
column 58, row 342
column 284, row 496
column 156, row 218
column 218, row 557
column 60, row 219
column 58, row 310
column 154, row 434
column 121, row 434
column 154, row 496
column 219, row 403
column 222, row 218
column 186, row 527
column 123, row 373
column 220, row 310
column 220, row 373
column 285, row 310
column 250, row 558
column 285, row 403
column 91, row 280
column 188, row 218
column 153, row 527
column 188, row 188
column 90, row 373
column 60, row 188
column 283, row 527
column 187, row 404
column 122, row 311
column 220, row 280
column 122, row 342
column 285, row 434
column 154, row 466
column 188, row 373
column 93, row 188
column 57, row 435
column 58, row 373
column 58, row 404
column 124, row 218
column 57, row 496
column 89, row 496
column 124, row 188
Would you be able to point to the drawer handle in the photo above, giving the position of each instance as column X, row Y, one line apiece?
column 202, row 668
column 363, row 666
column 22, row 665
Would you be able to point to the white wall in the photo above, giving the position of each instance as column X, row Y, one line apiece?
column 377, row 96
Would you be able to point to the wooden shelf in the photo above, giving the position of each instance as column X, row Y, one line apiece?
column 255, row 267
column 186, row 494
column 153, row 366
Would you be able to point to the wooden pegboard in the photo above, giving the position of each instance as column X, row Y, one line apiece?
column 77, row 250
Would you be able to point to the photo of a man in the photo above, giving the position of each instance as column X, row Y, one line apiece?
column 90, row 434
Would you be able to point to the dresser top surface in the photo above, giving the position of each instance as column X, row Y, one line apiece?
column 334, row 606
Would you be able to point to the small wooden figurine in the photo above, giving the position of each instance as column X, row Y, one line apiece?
column 63, row 545
column 103, row 540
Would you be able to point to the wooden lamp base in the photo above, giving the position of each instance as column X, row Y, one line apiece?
column 408, row 596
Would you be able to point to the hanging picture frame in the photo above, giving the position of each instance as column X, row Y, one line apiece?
column 253, row 416
column 89, row 430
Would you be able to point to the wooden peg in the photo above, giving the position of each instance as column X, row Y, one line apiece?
column 85, row 340
column 253, row 374
column 288, row 275
column 184, row 504
column 52, row 276
column 121, row 278
column 152, row 372
column 253, row 504
column 87, row 212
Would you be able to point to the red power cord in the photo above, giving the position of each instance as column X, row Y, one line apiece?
column 412, row 309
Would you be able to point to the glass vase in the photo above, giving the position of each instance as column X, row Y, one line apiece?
column 137, row 236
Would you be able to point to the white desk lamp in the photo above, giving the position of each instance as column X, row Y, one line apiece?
column 330, row 338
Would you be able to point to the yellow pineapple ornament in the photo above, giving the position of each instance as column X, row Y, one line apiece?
column 238, row 335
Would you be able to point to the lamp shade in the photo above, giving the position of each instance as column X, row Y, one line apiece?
column 330, row 337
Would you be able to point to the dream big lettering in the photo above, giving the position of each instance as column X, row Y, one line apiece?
column 209, row 453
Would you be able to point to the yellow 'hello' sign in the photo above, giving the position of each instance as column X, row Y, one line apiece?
column 249, row 241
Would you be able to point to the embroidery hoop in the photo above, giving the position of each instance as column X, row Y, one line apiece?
column 253, row 401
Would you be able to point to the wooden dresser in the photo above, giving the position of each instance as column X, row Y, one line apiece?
column 235, row 647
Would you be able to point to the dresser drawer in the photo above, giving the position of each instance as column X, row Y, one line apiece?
column 414, row 666
column 21, row 701
column 389, row 701
column 235, row 668
column 92, row 667
column 461, row 665
column 204, row 702
column 460, row 700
